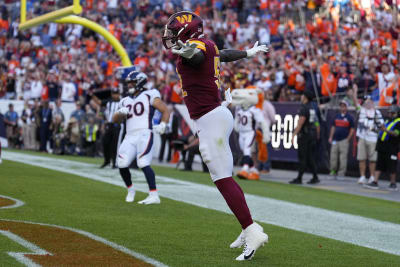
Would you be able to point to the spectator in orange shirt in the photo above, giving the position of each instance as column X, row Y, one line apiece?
column 89, row 4
column 328, row 81
column 4, row 25
column 13, row 63
column 41, row 53
column 91, row 45
column 111, row 28
column 141, row 60
column 111, row 65
column 273, row 25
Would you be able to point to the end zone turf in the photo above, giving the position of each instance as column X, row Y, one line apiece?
column 174, row 233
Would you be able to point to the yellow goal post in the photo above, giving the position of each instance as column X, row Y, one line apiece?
column 67, row 15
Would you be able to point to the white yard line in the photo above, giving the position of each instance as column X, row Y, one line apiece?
column 358, row 230
column 20, row 256
column 18, row 203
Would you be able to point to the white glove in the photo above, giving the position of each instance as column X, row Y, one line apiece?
column 266, row 132
column 266, row 138
column 186, row 50
column 228, row 98
column 160, row 128
column 256, row 48
column 123, row 110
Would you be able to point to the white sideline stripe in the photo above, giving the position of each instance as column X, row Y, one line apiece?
column 358, row 230
column 18, row 203
column 20, row 256
column 87, row 234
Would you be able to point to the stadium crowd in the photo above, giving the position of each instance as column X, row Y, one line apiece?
column 336, row 49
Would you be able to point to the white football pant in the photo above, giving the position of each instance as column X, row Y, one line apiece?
column 214, row 129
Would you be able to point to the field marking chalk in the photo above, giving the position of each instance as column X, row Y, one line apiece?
column 20, row 256
column 18, row 203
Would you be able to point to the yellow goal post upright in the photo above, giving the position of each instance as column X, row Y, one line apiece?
column 67, row 15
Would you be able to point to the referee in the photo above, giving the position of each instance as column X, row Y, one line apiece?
column 112, row 130
column 308, row 132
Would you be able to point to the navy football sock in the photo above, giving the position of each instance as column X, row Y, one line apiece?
column 150, row 177
column 126, row 176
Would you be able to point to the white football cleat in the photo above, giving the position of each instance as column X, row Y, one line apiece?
column 150, row 200
column 254, row 240
column 240, row 240
column 246, row 255
column 130, row 197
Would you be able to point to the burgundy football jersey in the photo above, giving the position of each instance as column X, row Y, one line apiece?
column 200, row 84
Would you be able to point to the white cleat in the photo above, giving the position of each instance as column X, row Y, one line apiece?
column 247, row 254
column 254, row 240
column 240, row 240
column 155, row 199
column 130, row 197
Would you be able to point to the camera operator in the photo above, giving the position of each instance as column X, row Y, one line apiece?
column 388, row 147
column 44, row 119
column 369, row 122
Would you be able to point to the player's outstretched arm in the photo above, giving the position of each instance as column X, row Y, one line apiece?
column 229, row 55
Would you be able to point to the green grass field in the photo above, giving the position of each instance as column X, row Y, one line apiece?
column 179, row 234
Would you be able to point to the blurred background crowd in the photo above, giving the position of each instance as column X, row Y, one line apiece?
column 329, row 47
column 338, row 49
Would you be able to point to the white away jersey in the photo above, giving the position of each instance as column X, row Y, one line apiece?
column 141, row 110
column 246, row 120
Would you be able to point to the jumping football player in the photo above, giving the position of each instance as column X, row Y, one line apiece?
column 247, row 117
column 138, row 110
column 198, row 66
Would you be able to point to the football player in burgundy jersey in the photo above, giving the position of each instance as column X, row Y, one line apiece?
column 198, row 66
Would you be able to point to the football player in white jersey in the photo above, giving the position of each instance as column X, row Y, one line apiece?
column 247, row 120
column 138, row 110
